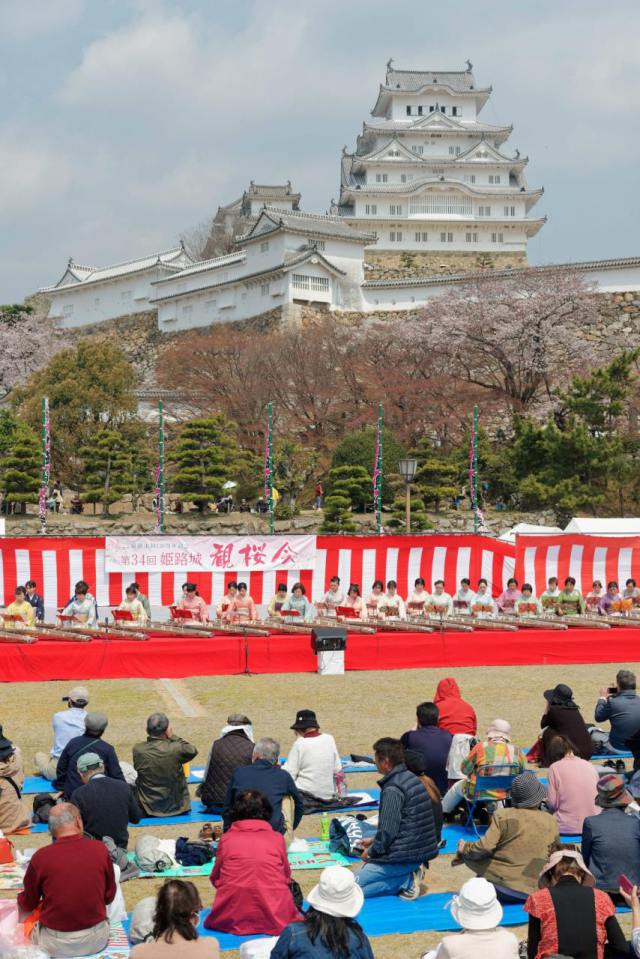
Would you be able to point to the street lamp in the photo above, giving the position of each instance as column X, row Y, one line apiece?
column 407, row 469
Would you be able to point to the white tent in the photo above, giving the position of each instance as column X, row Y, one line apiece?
column 618, row 526
column 528, row 529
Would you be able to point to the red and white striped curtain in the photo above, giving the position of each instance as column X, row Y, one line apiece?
column 56, row 564
column 584, row 557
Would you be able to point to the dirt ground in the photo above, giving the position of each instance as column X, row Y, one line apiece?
column 356, row 708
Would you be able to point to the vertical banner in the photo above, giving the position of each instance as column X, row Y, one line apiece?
column 268, row 465
column 377, row 473
column 46, row 465
column 160, row 472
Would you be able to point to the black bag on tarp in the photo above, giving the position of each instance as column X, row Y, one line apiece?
column 347, row 832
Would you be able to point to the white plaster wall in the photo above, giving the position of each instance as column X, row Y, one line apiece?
column 239, row 301
column 99, row 302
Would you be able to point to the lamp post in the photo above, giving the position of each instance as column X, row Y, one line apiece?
column 407, row 469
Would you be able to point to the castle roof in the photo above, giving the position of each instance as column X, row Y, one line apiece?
column 459, row 82
column 294, row 221
column 77, row 275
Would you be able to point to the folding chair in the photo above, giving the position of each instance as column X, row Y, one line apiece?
column 487, row 780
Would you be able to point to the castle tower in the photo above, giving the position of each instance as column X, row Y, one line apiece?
column 431, row 179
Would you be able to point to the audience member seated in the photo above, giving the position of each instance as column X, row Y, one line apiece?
column 175, row 926
column 433, row 743
column 106, row 805
column 622, row 709
column 477, row 910
column 297, row 602
column 66, row 724
column 22, row 609
column 313, row 761
column 132, row 604
column 516, row 845
column 194, row 603
column 276, row 602
column 497, row 754
column 328, row 929
column 454, row 714
column 568, row 917
column 252, row 876
column 68, row 778
column 414, row 761
column 72, row 882
column 572, row 785
column 161, row 786
column 562, row 717
column 242, row 608
column 264, row 775
column 611, row 840
column 394, row 860
column 13, row 815
column 234, row 748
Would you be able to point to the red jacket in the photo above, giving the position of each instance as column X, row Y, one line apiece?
column 252, row 877
column 456, row 715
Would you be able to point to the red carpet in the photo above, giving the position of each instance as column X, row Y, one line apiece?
column 174, row 657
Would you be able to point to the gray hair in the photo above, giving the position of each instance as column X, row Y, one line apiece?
column 625, row 679
column 267, row 748
column 238, row 719
column 157, row 724
column 64, row 814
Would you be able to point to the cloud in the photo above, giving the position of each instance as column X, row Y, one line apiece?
column 32, row 173
column 29, row 18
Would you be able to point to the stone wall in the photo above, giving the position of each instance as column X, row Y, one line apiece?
column 396, row 264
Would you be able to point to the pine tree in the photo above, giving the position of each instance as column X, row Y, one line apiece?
column 107, row 473
column 20, row 460
column 436, row 478
column 206, row 456
column 419, row 519
column 347, row 485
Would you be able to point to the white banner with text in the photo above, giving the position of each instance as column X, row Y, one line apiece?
column 162, row 554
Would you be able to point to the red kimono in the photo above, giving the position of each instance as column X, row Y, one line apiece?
column 251, row 876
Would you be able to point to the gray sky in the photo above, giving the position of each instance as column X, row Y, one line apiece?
column 124, row 122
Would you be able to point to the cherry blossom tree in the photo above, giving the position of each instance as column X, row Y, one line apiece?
column 29, row 341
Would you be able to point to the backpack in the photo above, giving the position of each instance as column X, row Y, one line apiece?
column 149, row 856
column 194, row 852
column 347, row 832
column 42, row 804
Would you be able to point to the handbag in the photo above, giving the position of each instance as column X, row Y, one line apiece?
column 6, row 851
column 347, row 832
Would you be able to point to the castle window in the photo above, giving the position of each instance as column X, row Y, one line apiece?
column 497, row 237
column 431, row 108
column 419, row 111
column 494, row 178
column 471, row 237
column 264, row 246
column 371, row 208
column 403, row 178
column 408, row 111
column 319, row 244
column 395, row 209
column 446, row 237
column 484, row 211
column 264, row 289
column 382, row 177
column 509, row 211
column 455, row 112
column 68, row 310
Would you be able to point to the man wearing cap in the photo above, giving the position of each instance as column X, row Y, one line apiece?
column 495, row 752
column 394, row 860
column 161, row 786
column 13, row 815
column 265, row 775
column 66, row 724
column 611, row 840
column 68, row 778
column 514, row 848
column 106, row 805
column 233, row 749
column 622, row 709
column 313, row 761
column 72, row 882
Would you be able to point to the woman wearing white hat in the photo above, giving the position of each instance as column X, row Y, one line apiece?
column 478, row 911
column 329, row 929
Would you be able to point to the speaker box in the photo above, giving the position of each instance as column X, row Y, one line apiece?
column 328, row 638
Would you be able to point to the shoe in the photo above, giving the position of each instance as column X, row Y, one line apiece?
column 621, row 767
column 417, row 888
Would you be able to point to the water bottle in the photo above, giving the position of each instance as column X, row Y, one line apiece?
column 324, row 828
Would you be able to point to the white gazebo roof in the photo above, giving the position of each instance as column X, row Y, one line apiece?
column 616, row 526
column 528, row 529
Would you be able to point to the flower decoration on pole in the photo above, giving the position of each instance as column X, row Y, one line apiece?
column 160, row 472
column 46, row 465
column 268, row 465
column 377, row 473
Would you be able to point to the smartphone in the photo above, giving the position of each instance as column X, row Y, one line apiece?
column 612, row 690
column 625, row 884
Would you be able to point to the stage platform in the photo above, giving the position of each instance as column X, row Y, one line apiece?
column 172, row 657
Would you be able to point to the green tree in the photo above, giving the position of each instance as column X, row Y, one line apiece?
column 107, row 469
column 141, row 466
column 20, row 460
column 601, row 398
column 358, row 449
column 436, row 478
column 347, row 486
column 89, row 388
column 294, row 465
column 206, row 457
column 419, row 519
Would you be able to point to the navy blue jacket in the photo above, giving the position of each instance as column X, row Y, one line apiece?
column 406, row 825
column 273, row 782
column 38, row 604
column 434, row 745
column 294, row 943
column 611, row 846
column 623, row 712
column 67, row 776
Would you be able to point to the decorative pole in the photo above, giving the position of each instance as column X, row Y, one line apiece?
column 377, row 473
column 46, row 466
column 160, row 472
column 268, row 465
column 473, row 470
